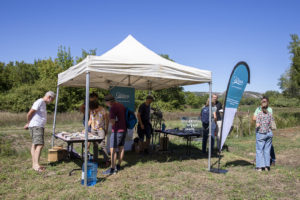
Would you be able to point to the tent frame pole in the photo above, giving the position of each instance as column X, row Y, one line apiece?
column 54, row 119
column 209, row 135
column 87, row 94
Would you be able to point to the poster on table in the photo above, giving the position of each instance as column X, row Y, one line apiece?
column 125, row 96
column 239, row 78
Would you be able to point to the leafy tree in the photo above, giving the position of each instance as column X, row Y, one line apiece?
column 289, row 82
column 64, row 58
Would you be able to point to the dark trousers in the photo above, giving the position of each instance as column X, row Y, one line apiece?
column 272, row 153
column 205, row 137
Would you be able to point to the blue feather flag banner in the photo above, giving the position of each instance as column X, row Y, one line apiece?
column 239, row 78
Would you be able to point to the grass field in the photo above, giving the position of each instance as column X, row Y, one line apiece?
column 171, row 175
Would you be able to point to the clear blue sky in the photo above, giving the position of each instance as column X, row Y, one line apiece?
column 212, row 35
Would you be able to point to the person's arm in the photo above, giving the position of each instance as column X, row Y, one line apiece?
column 255, row 114
column 112, row 116
column 215, row 116
column 140, row 120
column 82, row 108
column 29, row 117
column 106, row 118
column 90, row 120
column 112, row 121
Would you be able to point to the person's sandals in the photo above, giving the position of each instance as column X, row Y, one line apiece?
column 40, row 169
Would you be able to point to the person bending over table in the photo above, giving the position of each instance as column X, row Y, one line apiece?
column 99, row 126
column 118, row 134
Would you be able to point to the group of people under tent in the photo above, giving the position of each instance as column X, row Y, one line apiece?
column 100, row 118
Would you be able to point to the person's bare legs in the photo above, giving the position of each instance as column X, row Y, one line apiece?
column 113, row 155
column 37, row 154
column 34, row 164
column 121, row 155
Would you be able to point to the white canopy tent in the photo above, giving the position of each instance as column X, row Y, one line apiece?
column 129, row 64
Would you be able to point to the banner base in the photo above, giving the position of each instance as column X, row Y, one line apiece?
column 218, row 171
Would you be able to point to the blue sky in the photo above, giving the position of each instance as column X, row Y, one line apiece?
column 212, row 35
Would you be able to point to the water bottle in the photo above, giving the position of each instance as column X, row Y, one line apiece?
column 92, row 169
column 163, row 127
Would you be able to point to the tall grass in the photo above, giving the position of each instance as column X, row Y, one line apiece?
column 12, row 119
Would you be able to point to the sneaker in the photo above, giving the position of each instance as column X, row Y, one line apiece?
column 107, row 163
column 109, row 171
column 258, row 169
column 118, row 167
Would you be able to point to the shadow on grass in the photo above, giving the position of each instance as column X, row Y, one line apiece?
column 238, row 163
column 176, row 152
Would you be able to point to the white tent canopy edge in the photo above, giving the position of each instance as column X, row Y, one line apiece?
column 129, row 64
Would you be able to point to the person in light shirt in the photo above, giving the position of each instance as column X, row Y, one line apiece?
column 36, row 120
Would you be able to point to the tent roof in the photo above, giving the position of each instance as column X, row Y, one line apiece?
column 131, row 64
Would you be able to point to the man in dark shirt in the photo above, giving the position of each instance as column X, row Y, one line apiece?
column 118, row 134
column 219, row 118
column 144, row 125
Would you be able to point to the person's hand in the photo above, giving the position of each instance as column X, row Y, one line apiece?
column 142, row 126
column 26, row 126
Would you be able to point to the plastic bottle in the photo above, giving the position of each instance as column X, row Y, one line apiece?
column 92, row 169
column 163, row 127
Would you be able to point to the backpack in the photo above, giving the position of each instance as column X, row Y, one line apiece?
column 130, row 119
column 205, row 115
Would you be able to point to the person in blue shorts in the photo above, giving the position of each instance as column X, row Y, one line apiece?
column 119, row 129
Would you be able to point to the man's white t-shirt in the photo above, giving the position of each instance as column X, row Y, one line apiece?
column 40, row 116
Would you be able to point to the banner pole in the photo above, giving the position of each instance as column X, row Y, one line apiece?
column 209, row 135
column 54, row 120
column 87, row 98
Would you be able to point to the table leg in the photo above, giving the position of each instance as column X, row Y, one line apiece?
column 95, row 151
column 82, row 145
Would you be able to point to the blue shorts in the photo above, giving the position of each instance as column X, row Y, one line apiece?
column 117, row 140
column 144, row 132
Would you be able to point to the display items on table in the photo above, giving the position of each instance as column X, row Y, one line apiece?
column 76, row 136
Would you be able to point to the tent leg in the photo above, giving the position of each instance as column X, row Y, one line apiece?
column 54, row 120
column 87, row 93
column 209, row 135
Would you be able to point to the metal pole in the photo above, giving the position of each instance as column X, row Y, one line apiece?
column 54, row 120
column 209, row 135
column 87, row 94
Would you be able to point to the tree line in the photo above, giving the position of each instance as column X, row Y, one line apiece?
column 22, row 83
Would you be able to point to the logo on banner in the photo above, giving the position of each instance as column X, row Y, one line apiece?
column 237, row 82
column 120, row 95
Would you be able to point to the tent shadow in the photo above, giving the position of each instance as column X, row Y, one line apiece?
column 238, row 163
column 176, row 152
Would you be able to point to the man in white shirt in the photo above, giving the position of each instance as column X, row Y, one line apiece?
column 36, row 120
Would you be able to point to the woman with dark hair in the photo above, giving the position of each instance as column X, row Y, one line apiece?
column 265, row 99
column 98, row 121
column 264, row 137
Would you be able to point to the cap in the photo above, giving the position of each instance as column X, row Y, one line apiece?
column 109, row 97
column 150, row 97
